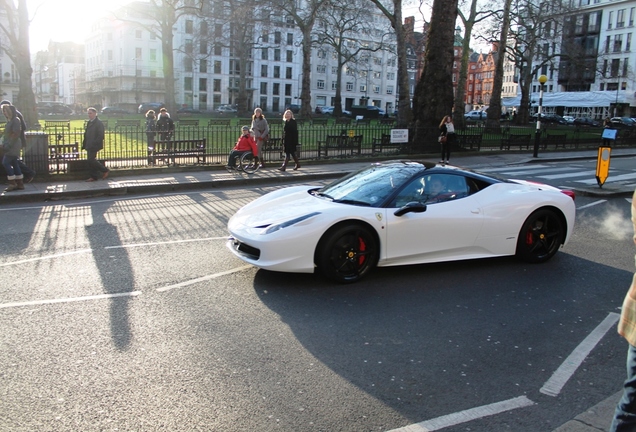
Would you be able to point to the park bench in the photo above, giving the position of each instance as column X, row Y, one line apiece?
column 188, row 122
column 272, row 150
column 62, row 154
column 127, row 124
column 56, row 125
column 219, row 122
column 520, row 140
column 104, row 122
column 319, row 121
column 168, row 151
column 555, row 139
column 380, row 144
column 470, row 141
column 341, row 144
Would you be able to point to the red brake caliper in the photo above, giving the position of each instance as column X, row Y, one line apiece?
column 361, row 247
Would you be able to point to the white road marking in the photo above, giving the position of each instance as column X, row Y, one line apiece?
column 166, row 242
column 203, row 278
column 81, row 251
column 555, row 384
column 610, row 179
column 568, row 175
column 513, row 169
column 592, row 204
column 69, row 300
column 467, row 415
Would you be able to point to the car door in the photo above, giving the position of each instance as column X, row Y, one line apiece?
column 447, row 229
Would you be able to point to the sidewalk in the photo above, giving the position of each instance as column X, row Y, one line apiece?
column 160, row 180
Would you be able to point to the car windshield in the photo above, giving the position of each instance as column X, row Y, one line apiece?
column 370, row 186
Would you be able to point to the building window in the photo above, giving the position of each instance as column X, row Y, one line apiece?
column 265, row 38
column 203, row 66
column 218, row 50
column 349, row 86
column 264, row 71
column 276, row 89
column 321, row 69
column 288, row 73
column 276, row 55
column 618, row 42
column 137, row 53
column 203, row 28
column 153, row 55
column 376, row 89
column 628, row 42
column 290, row 38
column 217, row 66
column 187, row 64
column 264, row 53
column 276, row 71
column 320, row 84
column 610, row 18
column 290, row 56
column 389, row 90
column 188, row 46
column 620, row 18
column 263, row 88
column 216, row 85
column 203, row 84
column 334, row 70
column 390, row 76
column 277, row 38
column 288, row 89
column 322, row 54
column 189, row 27
column 187, row 83
column 203, row 47
column 631, row 16
column 334, row 85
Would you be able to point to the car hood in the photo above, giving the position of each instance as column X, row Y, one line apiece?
column 280, row 206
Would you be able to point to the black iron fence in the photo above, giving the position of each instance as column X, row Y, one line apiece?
column 58, row 148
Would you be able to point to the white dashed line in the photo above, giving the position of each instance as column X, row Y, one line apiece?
column 204, row 278
column 555, row 384
column 69, row 300
column 467, row 415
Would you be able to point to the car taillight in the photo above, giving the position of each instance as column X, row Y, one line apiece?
column 569, row 193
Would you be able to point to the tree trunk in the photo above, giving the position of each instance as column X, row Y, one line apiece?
column 405, row 113
column 494, row 109
column 433, row 97
column 305, row 92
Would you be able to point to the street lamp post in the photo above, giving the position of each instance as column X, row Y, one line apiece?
column 537, row 136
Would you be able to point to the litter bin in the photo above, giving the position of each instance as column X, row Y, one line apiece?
column 36, row 153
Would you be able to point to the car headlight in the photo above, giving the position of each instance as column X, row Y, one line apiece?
column 276, row 227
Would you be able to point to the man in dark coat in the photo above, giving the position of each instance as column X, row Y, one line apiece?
column 94, row 142
column 29, row 174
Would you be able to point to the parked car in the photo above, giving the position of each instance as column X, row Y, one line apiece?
column 188, row 110
column 475, row 115
column 53, row 108
column 294, row 108
column 145, row 107
column 569, row 119
column 379, row 110
column 623, row 122
column 226, row 109
column 550, row 118
column 586, row 121
column 389, row 214
column 114, row 110
column 328, row 110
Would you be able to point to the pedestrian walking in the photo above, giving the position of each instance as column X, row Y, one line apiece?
column 165, row 125
column 11, row 145
column 625, row 414
column 290, row 140
column 151, row 131
column 260, row 129
column 94, row 142
column 447, row 138
column 29, row 174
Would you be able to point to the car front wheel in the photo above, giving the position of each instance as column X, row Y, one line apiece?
column 540, row 237
column 347, row 254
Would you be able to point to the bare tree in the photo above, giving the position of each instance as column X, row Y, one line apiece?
column 17, row 33
column 343, row 27
column 434, row 92
column 494, row 112
column 305, row 18
column 469, row 21
column 405, row 113
column 163, row 15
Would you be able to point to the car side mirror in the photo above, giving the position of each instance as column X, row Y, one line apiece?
column 411, row 207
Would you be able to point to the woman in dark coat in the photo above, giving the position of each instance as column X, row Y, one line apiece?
column 290, row 140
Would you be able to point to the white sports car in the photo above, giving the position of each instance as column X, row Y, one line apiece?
column 397, row 213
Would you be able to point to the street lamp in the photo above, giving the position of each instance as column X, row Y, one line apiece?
column 537, row 136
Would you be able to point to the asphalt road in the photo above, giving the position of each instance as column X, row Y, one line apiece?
column 130, row 314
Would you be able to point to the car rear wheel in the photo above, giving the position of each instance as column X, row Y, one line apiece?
column 347, row 254
column 540, row 237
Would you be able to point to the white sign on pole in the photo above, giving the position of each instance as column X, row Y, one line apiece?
column 399, row 135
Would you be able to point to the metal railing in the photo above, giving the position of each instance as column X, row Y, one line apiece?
column 126, row 146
